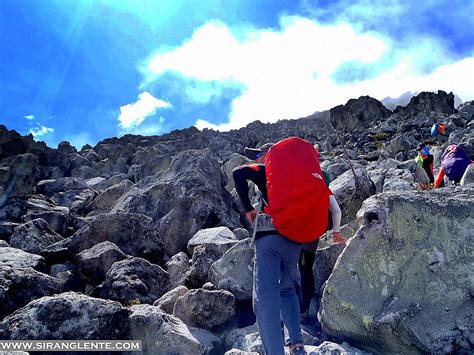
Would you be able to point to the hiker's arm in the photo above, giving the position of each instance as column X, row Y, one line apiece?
column 439, row 178
column 336, row 213
column 241, row 174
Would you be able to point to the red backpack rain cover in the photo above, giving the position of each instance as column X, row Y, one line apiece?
column 298, row 198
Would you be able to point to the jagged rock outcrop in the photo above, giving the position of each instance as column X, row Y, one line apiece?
column 118, row 227
column 67, row 316
column 411, row 258
column 177, row 267
column 191, row 191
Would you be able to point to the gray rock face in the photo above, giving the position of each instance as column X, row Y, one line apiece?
column 350, row 195
column 134, row 234
column 177, row 267
column 190, row 191
column 108, row 198
column 34, row 236
column 163, row 333
column 411, row 258
column 357, row 114
column 17, row 258
column 3, row 244
column 233, row 272
column 222, row 237
column 234, row 161
column 324, row 261
column 134, row 279
column 67, row 316
column 56, row 220
column 211, row 310
column 203, row 257
column 468, row 177
column 168, row 300
column 21, row 284
column 17, row 178
column 96, row 261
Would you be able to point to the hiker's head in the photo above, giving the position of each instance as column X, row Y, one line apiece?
column 258, row 154
column 423, row 149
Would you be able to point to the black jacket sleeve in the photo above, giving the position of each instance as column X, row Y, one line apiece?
column 254, row 173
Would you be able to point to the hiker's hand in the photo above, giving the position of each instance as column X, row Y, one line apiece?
column 338, row 238
column 251, row 215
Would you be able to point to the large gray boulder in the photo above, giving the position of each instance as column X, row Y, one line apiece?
column 190, row 191
column 222, row 237
column 404, row 281
column 19, row 259
column 177, row 268
column 67, row 316
column 134, row 279
column 162, row 333
column 233, row 271
column 204, row 256
column 17, row 178
column 207, row 246
column 34, row 236
column 107, row 199
column 351, row 192
column 208, row 309
column 168, row 300
column 134, row 234
column 22, row 284
column 234, row 161
column 468, row 177
column 96, row 261
column 58, row 221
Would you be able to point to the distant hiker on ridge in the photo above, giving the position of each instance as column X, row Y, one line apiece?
column 296, row 211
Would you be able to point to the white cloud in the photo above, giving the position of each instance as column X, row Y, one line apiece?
column 133, row 115
column 41, row 131
column 290, row 73
column 29, row 117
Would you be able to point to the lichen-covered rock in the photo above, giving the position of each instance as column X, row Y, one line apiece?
column 211, row 310
column 233, row 271
column 204, row 256
column 107, row 199
column 57, row 220
column 34, row 236
column 17, row 178
column 134, row 234
column 162, row 333
column 67, row 316
column 134, row 279
column 404, row 281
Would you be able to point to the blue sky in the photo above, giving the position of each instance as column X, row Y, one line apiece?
column 83, row 70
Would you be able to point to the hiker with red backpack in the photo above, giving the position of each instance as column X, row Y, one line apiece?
column 293, row 210
column 454, row 163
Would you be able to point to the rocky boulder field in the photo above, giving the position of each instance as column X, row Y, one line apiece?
column 144, row 238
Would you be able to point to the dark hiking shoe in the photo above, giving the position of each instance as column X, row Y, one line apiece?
column 297, row 349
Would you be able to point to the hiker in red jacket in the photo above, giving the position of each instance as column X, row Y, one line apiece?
column 275, row 269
